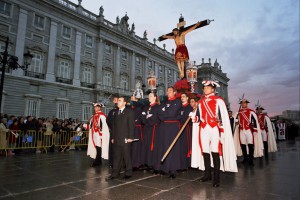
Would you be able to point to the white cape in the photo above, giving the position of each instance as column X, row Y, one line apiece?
column 91, row 151
column 272, row 146
column 196, row 152
column 228, row 160
column 258, row 141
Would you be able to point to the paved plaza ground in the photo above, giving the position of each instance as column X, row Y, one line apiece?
column 68, row 176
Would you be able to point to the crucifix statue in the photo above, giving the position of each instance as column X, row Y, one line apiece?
column 178, row 34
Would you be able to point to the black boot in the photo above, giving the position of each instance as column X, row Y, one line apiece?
column 266, row 149
column 244, row 150
column 98, row 160
column 172, row 174
column 216, row 160
column 110, row 155
column 207, row 172
column 251, row 153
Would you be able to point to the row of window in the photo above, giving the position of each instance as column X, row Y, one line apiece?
column 64, row 70
column 40, row 21
column 32, row 108
column 67, row 33
column 160, row 68
column 5, row 8
column 124, row 53
column 107, row 80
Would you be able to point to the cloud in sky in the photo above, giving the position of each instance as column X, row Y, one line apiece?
column 256, row 42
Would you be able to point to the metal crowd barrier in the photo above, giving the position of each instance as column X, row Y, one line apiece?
column 41, row 140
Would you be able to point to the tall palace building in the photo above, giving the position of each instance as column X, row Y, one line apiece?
column 78, row 58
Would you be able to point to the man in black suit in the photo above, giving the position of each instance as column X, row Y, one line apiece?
column 121, row 137
column 109, row 120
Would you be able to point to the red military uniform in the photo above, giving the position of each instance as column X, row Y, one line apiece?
column 210, row 129
column 266, row 131
column 247, row 134
column 98, row 137
column 263, row 127
column 215, row 135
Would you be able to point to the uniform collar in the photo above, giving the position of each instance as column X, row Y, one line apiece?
column 172, row 98
column 153, row 104
column 185, row 105
column 209, row 95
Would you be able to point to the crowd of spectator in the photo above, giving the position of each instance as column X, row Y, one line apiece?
column 48, row 126
column 11, row 124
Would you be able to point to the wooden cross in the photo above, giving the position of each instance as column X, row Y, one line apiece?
column 182, row 23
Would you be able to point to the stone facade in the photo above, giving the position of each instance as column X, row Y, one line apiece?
column 293, row 115
column 207, row 71
column 79, row 58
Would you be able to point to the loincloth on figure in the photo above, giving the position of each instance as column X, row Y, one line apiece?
column 181, row 53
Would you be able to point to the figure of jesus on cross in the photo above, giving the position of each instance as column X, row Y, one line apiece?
column 178, row 34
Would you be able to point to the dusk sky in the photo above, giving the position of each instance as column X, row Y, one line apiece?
column 256, row 42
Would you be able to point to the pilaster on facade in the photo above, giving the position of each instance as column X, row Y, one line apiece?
column 145, row 75
column 166, row 78
column 50, row 74
column 99, row 66
column 155, row 68
column 132, row 72
column 76, row 75
column 174, row 76
column 117, row 67
column 20, row 41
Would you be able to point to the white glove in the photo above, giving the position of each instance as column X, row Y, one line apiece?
column 143, row 113
column 163, row 109
column 85, row 126
column 149, row 115
column 193, row 117
column 191, row 114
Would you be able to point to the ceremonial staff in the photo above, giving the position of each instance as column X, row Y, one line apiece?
column 176, row 138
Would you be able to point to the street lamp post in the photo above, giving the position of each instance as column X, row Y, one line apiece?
column 11, row 62
column 151, row 82
column 191, row 74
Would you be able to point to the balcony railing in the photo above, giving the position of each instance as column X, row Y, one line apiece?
column 88, row 85
column 114, row 90
column 64, row 80
column 35, row 75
